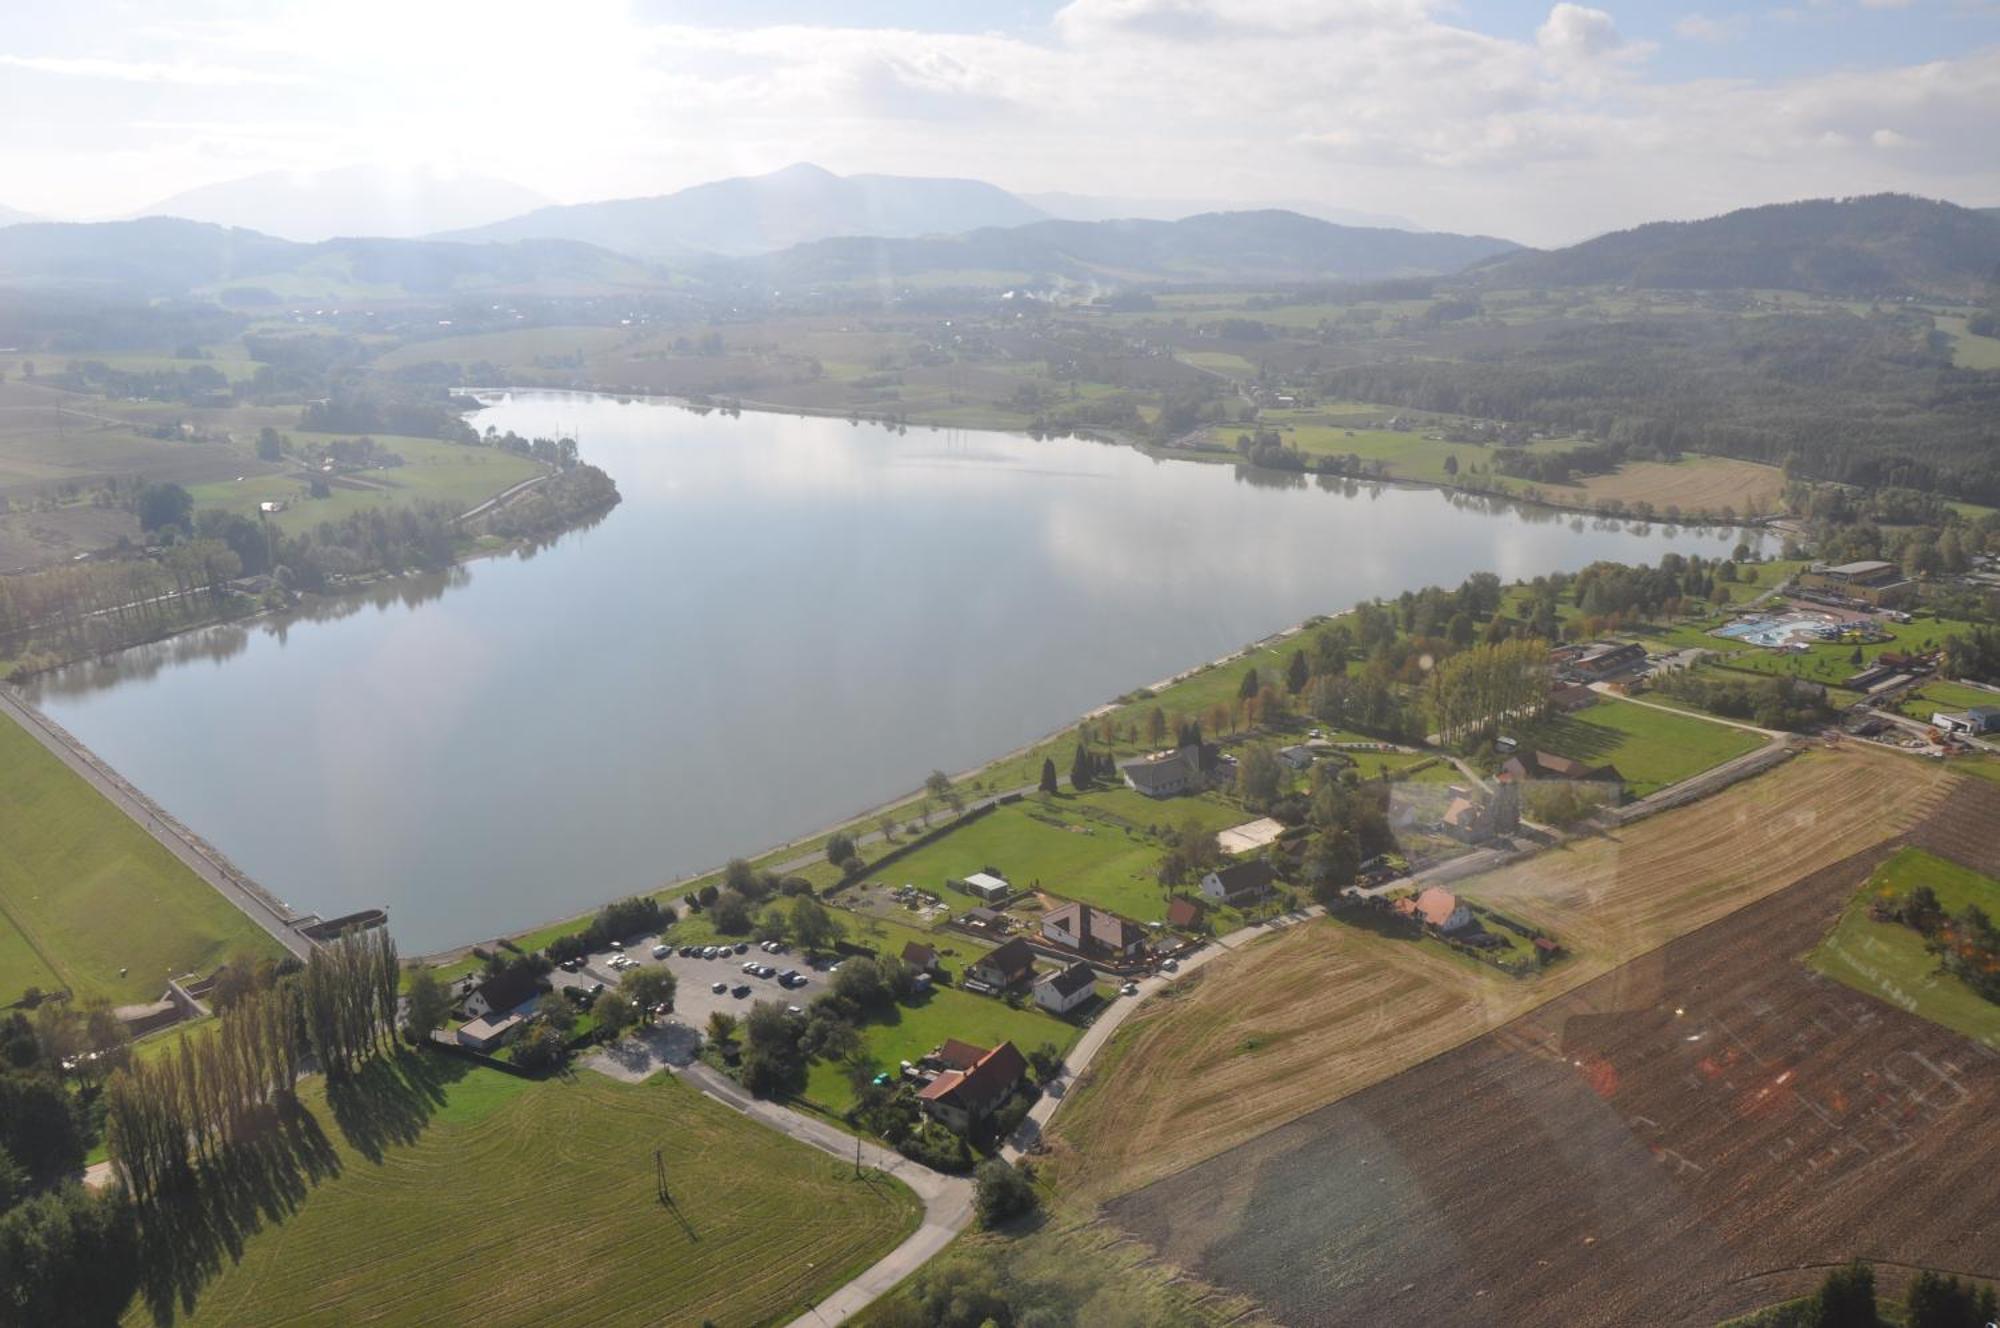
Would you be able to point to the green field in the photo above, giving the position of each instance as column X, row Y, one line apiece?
column 1651, row 748
column 1932, row 697
column 1096, row 847
column 84, row 892
column 433, row 472
column 1888, row 961
column 463, row 1195
column 916, row 1029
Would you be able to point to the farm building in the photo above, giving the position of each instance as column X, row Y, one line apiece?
column 1569, row 697
column 1012, row 963
column 962, row 1097
column 1064, row 990
column 1239, row 882
column 1600, row 659
column 1979, row 719
column 989, row 888
column 1189, row 768
column 1533, row 764
column 1093, row 931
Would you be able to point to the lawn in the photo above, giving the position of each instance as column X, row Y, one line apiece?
column 84, row 892
column 1832, row 663
column 917, row 1029
column 432, row 472
column 1651, row 748
column 463, row 1195
column 1934, row 696
column 1888, row 961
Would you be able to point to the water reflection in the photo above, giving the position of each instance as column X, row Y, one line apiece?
column 785, row 621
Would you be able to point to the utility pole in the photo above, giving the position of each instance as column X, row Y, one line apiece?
column 660, row 1174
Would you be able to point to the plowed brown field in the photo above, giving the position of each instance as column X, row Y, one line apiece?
column 1326, row 1009
column 1669, row 1145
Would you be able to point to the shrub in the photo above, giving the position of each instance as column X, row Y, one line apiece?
column 934, row 1146
column 1003, row 1193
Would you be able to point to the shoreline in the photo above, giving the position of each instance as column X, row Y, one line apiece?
column 1763, row 522
column 860, row 819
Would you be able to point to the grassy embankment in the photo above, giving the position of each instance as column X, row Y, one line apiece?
column 1889, row 961
column 455, row 1194
column 86, row 893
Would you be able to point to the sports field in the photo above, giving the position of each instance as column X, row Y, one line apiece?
column 459, row 1195
column 85, row 893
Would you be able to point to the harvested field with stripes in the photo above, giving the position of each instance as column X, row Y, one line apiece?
column 1687, row 1137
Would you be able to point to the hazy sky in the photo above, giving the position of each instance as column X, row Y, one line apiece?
column 1537, row 122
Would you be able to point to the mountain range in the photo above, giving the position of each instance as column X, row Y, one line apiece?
column 763, row 213
column 356, row 200
column 1214, row 247
column 13, row 216
column 1881, row 243
column 1094, row 207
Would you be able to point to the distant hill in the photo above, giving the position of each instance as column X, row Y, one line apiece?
column 13, row 216
column 1216, row 246
column 355, row 200
column 1093, row 207
column 162, row 256
column 1881, row 244
column 764, row 213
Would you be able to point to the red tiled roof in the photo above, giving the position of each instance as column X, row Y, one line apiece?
column 1183, row 912
column 960, row 1055
column 989, row 1080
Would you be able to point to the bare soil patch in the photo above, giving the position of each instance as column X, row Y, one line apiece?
column 1687, row 1137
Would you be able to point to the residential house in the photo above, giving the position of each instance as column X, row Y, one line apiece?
column 962, row 1098
column 1093, row 931
column 1189, row 768
column 985, row 919
column 1064, row 990
column 1438, row 909
column 1004, row 967
column 920, row 957
column 512, row 988
column 1240, row 882
column 1184, row 913
column 488, row 1032
column 990, row 888
column 1296, row 756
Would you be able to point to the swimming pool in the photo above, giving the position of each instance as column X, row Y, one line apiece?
column 1784, row 629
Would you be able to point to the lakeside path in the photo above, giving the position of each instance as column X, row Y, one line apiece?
column 256, row 903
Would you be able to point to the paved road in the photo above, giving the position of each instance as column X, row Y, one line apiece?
column 256, row 904
column 947, row 1200
column 1099, row 1033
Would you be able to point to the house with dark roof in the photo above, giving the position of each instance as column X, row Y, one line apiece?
column 1189, row 768
column 503, row 993
column 1007, row 966
column 1093, row 931
column 1239, row 882
column 962, row 1098
column 920, row 957
column 1065, row 989
column 1184, row 913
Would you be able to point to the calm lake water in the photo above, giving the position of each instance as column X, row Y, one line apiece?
column 785, row 622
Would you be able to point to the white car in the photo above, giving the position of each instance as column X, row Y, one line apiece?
column 1129, row 989
column 661, row 952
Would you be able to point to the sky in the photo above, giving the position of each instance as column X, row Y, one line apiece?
column 1544, row 123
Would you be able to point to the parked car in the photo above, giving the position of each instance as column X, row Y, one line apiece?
column 1129, row 989
column 570, row 965
column 687, row 952
column 661, row 951
column 742, row 990
column 719, row 987
column 1170, row 965
column 743, row 947
column 617, row 945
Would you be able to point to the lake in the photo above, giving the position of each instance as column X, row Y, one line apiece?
column 786, row 621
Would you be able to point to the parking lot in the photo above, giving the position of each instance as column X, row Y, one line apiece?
column 694, row 995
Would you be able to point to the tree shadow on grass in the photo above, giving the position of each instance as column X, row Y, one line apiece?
column 391, row 1099
column 1574, row 738
column 186, row 1235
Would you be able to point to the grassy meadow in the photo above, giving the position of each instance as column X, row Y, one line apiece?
column 1888, row 961
column 448, row 1193
column 1651, row 748
column 86, row 893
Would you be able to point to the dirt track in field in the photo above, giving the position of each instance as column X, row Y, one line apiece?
column 1325, row 1010
column 1684, row 1138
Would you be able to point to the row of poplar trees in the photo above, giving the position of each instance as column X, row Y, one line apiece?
column 161, row 1116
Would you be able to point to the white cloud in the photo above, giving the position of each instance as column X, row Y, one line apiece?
column 1385, row 105
column 1715, row 31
